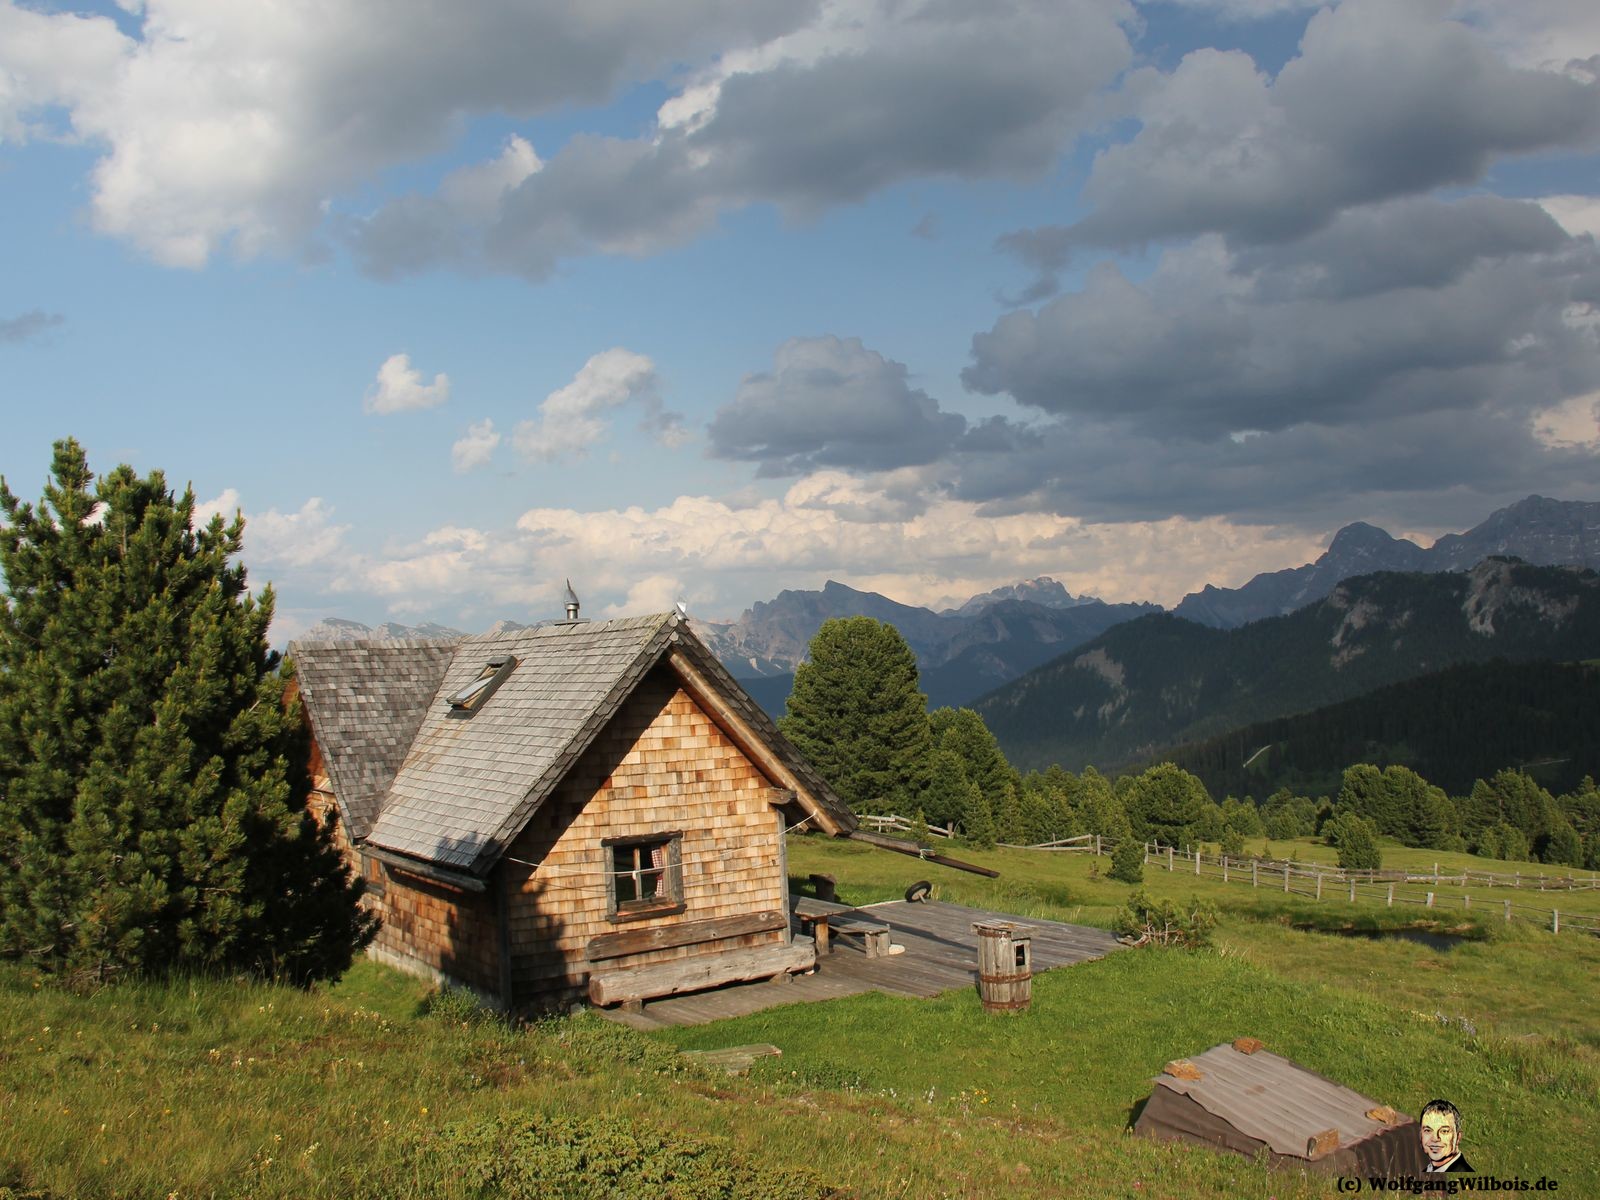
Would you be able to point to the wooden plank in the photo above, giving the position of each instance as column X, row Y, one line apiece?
column 684, row 933
column 899, row 847
column 704, row 971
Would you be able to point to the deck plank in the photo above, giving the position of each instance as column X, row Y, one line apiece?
column 941, row 954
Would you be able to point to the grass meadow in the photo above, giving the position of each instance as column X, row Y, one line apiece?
column 373, row 1088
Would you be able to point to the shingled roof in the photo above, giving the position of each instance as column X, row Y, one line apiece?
column 366, row 701
column 468, row 786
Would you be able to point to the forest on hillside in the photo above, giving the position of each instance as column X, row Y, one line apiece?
column 1453, row 727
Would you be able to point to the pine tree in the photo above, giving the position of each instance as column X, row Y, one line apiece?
column 856, row 712
column 148, row 809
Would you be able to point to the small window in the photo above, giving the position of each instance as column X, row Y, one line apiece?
column 470, row 699
column 644, row 876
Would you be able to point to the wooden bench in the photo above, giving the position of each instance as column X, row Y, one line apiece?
column 823, row 920
column 615, row 980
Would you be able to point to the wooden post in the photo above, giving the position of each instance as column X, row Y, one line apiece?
column 1508, row 912
column 1319, row 885
column 1541, row 888
column 1169, row 866
column 1466, row 902
column 1254, row 883
column 1430, row 905
column 1225, row 870
column 1097, row 847
column 1391, row 905
column 1352, row 891
column 1286, row 877
column 1555, row 922
column 1436, row 884
column 1197, row 860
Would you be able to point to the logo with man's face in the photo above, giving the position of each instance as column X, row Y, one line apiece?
column 1441, row 1136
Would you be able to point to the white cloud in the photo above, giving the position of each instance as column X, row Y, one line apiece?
column 476, row 448
column 224, row 505
column 1576, row 214
column 655, row 593
column 298, row 539
column 1548, row 34
column 1573, row 423
column 399, row 388
column 235, row 124
column 572, row 419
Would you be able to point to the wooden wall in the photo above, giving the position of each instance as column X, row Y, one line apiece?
column 435, row 930
column 660, row 765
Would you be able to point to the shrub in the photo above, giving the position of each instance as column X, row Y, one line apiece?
column 1127, row 861
column 1233, row 843
column 1166, row 923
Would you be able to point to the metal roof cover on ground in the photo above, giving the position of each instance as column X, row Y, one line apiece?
column 1263, row 1103
column 468, row 786
column 366, row 701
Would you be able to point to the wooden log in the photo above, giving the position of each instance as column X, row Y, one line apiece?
column 684, row 933
column 618, row 984
column 922, row 852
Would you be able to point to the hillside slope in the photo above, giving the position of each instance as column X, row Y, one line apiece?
column 1161, row 680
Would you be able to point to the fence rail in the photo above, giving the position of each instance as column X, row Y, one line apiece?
column 1357, row 886
column 1318, row 881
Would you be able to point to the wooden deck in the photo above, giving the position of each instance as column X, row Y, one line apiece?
column 941, row 953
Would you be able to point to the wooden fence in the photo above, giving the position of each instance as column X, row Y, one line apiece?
column 1313, row 882
column 1320, row 881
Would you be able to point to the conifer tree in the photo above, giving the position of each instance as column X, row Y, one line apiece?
column 856, row 712
column 150, row 817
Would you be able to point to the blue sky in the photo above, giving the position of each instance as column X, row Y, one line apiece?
column 711, row 299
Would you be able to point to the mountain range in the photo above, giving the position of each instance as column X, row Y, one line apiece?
column 995, row 637
column 1161, row 680
column 1536, row 530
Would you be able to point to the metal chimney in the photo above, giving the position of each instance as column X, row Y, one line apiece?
column 572, row 602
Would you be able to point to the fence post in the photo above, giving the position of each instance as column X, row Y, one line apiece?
column 1253, row 883
column 1436, row 884
column 1508, row 912
column 1197, row 860
column 1097, row 847
column 1352, row 891
column 1430, row 905
column 1169, row 868
column 1224, row 868
column 1555, row 921
column 1319, row 885
column 1391, row 905
column 1286, row 877
column 1466, row 899
column 1541, row 888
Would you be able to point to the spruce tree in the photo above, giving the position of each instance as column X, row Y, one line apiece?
column 150, row 815
column 856, row 712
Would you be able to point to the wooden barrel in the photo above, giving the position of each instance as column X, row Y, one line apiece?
column 1005, row 966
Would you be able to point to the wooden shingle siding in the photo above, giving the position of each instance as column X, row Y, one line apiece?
column 660, row 765
column 445, row 932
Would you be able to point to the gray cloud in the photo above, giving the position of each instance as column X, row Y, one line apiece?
column 939, row 89
column 831, row 402
column 1384, row 100
column 1443, row 307
column 1411, row 469
column 29, row 325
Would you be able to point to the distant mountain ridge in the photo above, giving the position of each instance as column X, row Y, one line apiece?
column 1537, row 530
column 961, row 652
column 1161, row 681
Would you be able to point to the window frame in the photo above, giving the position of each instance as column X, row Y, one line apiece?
column 667, row 901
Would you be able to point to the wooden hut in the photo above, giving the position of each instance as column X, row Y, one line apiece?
column 1243, row 1098
column 581, row 808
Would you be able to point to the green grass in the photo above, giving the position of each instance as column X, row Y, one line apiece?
column 222, row 1088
